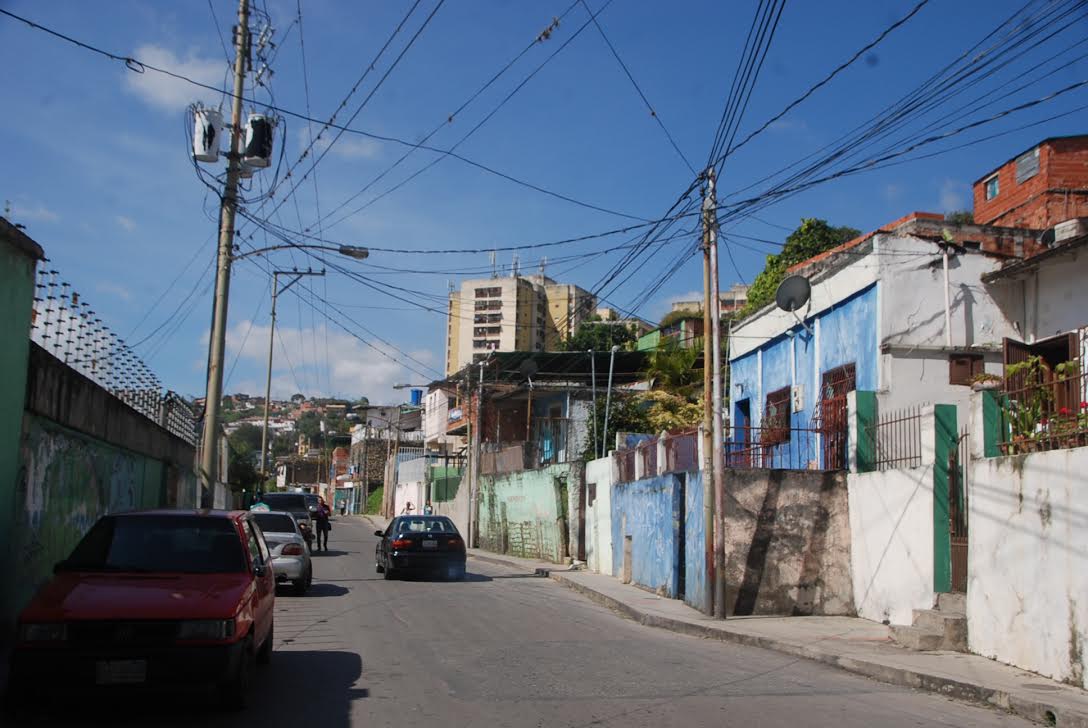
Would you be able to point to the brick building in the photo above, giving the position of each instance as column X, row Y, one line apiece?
column 1037, row 189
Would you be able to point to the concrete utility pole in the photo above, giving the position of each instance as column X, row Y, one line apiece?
column 608, row 400
column 296, row 276
column 710, row 204
column 474, row 484
column 214, row 393
column 708, row 418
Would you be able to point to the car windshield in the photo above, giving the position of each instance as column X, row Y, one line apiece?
column 191, row 544
column 275, row 522
column 291, row 502
column 425, row 524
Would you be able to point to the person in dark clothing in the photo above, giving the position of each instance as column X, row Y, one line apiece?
column 321, row 518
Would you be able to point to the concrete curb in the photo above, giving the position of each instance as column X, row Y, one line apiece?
column 1017, row 704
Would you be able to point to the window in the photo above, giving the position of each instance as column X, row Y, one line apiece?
column 494, row 292
column 489, row 306
column 962, row 367
column 992, row 187
column 186, row 544
column 1027, row 166
column 776, row 417
column 275, row 522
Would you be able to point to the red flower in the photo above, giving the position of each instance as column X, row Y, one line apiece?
column 1084, row 405
column 1063, row 411
column 1044, row 421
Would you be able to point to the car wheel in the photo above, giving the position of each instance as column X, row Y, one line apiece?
column 303, row 585
column 379, row 568
column 234, row 693
column 457, row 573
column 264, row 655
column 387, row 573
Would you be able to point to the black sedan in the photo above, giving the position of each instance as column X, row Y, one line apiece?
column 423, row 545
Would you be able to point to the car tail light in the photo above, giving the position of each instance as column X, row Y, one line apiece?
column 292, row 549
column 455, row 543
column 402, row 543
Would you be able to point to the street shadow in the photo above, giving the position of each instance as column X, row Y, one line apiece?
column 298, row 688
column 325, row 589
column 324, row 554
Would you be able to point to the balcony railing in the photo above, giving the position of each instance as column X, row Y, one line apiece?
column 1049, row 414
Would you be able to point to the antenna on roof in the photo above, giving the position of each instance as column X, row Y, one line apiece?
column 543, row 264
column 494, row 274
column 514, row 266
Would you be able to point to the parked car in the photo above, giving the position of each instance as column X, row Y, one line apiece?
column 152, row 599
column 290, row 557
column 420, row 545
column 297, row 505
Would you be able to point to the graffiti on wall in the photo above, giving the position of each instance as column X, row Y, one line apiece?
column 67, row 481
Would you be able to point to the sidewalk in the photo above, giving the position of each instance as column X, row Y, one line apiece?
column 849, row 643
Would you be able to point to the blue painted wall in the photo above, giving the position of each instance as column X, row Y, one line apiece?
column 648, row 510
column 847, row 334
column 694, row 546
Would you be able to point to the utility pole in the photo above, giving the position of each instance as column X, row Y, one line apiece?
column 710, row 204
column 296, row 276
column 593, row 384
column 474, row 486
column 214, row 393
column 708, row 419
column 608, row 400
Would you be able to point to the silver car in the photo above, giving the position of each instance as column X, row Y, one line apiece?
column 290, row 555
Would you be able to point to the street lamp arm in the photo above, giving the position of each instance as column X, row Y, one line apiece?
column 351, row 251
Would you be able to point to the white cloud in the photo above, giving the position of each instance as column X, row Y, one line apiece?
column 172, row 94
column 788, row 125
column 689, row 296
column 954, row 195
column 114, row 289
column 37, row 212
column 347, row 147
column 354, row 369
column 127, row 223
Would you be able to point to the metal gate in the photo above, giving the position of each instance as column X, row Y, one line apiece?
column 958, row 469
column 830, row 415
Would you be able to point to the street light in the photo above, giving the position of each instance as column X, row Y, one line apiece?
column 217, row 350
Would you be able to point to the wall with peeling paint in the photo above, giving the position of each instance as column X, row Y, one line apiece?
column 647, row 525
column 600, row 474
column 526, row 513
column 1027, row 589
column 67, row 482
column 695, row 587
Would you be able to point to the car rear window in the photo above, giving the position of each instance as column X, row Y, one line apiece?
column 274, row 522
column 189, row 544
column 425, row 524
column 293, row 502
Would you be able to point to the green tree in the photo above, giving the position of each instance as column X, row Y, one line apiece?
column 628, row 413
column 961, row 217
column 672, row 369
column 593, row 333
column 241, row 473
column 812, row 237
column 246, row 439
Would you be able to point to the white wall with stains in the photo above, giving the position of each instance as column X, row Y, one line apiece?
column 1027, row 589
column 600, row 474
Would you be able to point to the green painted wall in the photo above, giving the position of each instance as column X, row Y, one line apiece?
column 947, row 438
column 650, row 341
column 444, row 483
column 523, row 513
column 67, row 481
column 16, row 304
column 866, row 444
column 993, row 424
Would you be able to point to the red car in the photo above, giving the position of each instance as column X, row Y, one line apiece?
column 152, row 599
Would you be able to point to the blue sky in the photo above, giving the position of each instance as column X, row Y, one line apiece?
column 98, row 169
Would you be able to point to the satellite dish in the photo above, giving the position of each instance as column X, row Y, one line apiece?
column 528, row 368
column 793, row 293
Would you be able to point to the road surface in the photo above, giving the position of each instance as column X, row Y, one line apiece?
column 511, row 649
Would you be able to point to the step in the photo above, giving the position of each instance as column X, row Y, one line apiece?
column 952, row 602
column 952, row 627
column 914, row 638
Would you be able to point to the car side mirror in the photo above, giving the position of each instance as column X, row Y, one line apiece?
column 258, row 570
column 380, row 534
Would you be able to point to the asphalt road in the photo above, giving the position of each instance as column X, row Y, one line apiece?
column 509, row 649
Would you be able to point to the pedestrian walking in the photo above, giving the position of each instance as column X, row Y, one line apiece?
column 321, row 516
column 408, row 508
column 428, row 509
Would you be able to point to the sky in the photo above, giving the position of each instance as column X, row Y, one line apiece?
column 98, row 167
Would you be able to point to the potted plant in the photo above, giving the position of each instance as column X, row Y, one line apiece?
column 984, row 381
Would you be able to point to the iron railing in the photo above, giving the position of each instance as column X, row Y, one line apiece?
column 897, row 437
column 1051, row 414
column 785, row 448
column 682, row 450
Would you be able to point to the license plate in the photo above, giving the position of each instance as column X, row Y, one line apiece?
column 431, row 544
column 120, row 672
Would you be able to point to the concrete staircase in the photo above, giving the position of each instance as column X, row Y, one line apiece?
column 943, row 628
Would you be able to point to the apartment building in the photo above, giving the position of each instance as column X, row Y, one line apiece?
column 513, row 313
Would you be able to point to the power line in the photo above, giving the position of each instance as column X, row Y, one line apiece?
column 631, row 78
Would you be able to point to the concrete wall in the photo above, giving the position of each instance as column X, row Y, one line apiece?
column 600, row 474
column 695, row 586
column 525, row 513
column 891, row 527
column 457, row 507
column 787, row 543
column 646, row 533
column 1027, row 592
